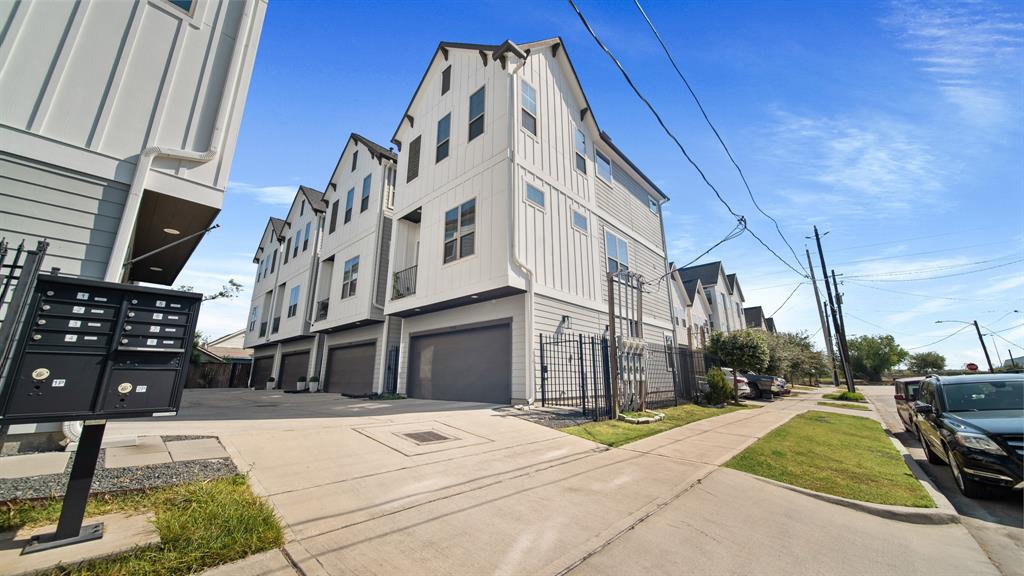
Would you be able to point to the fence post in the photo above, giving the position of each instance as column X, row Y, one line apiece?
column 543, row 374
column 583, row 374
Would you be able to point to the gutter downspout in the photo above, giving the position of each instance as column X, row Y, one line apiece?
column 126, row 228
column 522, row 269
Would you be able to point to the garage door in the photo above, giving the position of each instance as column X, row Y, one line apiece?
column 350, row 370
column 473, row 365
column 293, row 366
column 261, row 368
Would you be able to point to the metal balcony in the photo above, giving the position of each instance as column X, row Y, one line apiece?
column 404, row 283
column 321, row 309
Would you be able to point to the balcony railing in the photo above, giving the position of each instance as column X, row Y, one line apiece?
column 276, row 326
column 321, row 309
column 404, row 283
column 263, row 328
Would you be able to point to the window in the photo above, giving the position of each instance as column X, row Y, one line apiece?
column 355, row 159
column 364, row 198
column 652, row 205
column 446, row 80
column 305, row 239
column 414, row 160
column 287, row 250
column 529, row 110
column 579, row 220
column 604, row 167
column 349, row 278
column 460, row 231
column 618, row 252
column 534, row 195
column 293, row 301
column 295, row 247
column 349, row 196
column 334, row 217
column 444, row 131
column 476, row 113
column 581, row 151
column 273, row 261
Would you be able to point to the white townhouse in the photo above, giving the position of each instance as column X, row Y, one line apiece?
column 511, row 205
column 318, row 307
column 722, row 292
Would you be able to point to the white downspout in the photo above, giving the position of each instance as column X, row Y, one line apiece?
column 524, row 270
column 126, row 229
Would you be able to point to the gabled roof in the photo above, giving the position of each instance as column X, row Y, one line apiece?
column 708, row 273
column 314, row 198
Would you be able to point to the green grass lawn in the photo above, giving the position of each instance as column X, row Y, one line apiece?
column 845, row 396
column 202, row 524
column 836, row 454
column 616, row 433
column 846, row 405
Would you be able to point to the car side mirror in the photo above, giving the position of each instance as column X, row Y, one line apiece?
column 924, row 408
column 899, row 397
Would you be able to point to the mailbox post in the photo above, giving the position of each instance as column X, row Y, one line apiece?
column 95, row 351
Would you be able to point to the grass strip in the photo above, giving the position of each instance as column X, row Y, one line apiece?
column 847, row 405
column 201, row 525
column 847, row 456
column 616, row 433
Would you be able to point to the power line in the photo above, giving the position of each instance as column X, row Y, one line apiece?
column 795, row 288
column 944, row 338
column 671, row 135
column 717, row 135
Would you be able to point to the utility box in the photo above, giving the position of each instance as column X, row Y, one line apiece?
column 90, row 350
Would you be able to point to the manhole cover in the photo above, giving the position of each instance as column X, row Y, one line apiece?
column 427, row 437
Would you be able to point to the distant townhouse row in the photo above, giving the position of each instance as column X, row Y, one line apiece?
column 433, row 274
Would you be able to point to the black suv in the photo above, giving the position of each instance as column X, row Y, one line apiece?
column 974, row 423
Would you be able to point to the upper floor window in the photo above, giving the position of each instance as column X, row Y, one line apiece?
column 414, row 160
column 581, row 151
column 349, row 197
column 349, row 277
column 460, row 231
column 334, row 217
column 579, row 220
column 293, row 301
column 476, row 113
column 305, row 239
column 652, row 205
column 287, row 250
column 618, row 252
column 355, row 159
column 364, row 198
column 535, row 195
column 444, row 131
column 529, row 109
column 446, row 80
column 604, row 167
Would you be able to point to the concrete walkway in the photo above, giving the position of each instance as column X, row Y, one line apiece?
column 498, row 495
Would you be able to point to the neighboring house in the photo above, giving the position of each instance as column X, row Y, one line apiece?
column 723, row 294
column 512, row 205
column 318, row 303
column 755, row 318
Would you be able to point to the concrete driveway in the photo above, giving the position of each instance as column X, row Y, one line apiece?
column 420, row 487
column 996, row 523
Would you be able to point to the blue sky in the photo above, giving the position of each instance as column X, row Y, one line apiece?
column 897, row 127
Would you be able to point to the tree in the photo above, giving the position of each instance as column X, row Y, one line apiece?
column 926, row 362
column 229, row 290
column 872, row 356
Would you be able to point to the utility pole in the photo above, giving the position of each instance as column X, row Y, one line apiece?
column 844, row 348
column 983, row 347
column 835, row 318
column 824, row 322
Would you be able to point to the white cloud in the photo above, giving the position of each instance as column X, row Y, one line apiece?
column 279, row 195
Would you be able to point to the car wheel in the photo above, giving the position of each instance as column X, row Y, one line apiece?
column 967, row 487
column 932, row 456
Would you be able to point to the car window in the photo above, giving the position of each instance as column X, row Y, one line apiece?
column 983, row 396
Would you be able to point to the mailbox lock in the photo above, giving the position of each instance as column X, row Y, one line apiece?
column 40, row 374
column 124, row 387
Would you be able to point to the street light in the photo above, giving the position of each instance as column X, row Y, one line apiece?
column 980, row 338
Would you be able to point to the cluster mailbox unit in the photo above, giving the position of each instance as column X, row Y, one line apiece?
column 93, row 351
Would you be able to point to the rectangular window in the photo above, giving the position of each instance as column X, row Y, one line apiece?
column 476, row 113
column 581, row 151
column 349, row 278
column 618, row 252
column 273, row 261
column 460, row 231
column 364, row 198
column 535, row 195
column 414, row 160
column 334, row 217
column 355, row 159
column 349, row 197
column 444, row 131
column 529, row 96
column 305, row 239
column 579, row 220
column 293, row 301
column 287, row 250
column 652, row 205
column 446, row 80
column 604, row 167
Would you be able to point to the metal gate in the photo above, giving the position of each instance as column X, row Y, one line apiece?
column 574, row 373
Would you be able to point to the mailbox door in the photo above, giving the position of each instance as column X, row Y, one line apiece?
column 49, row 383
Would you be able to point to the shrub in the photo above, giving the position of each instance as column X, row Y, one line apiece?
column 719, row 389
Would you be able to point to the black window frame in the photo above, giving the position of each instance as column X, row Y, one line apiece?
column 464, row 234
column 477, row 120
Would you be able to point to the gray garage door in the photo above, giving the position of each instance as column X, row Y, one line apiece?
column 350, row 370
column 473, row 365
column 292, row 366
column 261, row 368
